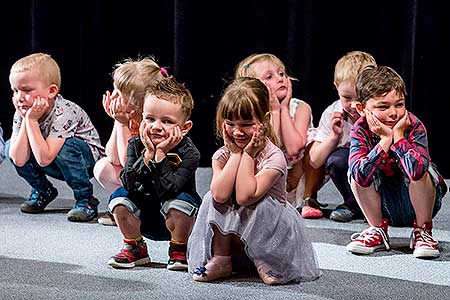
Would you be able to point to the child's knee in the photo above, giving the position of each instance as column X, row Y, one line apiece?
column 121, row 212
column 176, row 218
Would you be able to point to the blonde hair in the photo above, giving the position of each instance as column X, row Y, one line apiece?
column 244, row 99
column 133, row 77
column 44, row 64
column 349, row 65
column 170, row 90
column 245, row 67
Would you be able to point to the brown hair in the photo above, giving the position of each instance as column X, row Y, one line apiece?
column 244, row 99
column 170, row 90
column 376, row 81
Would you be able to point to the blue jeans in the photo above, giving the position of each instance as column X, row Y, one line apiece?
column 73, row 164
column 337, row 167
column 395, row 201
column 151, row 213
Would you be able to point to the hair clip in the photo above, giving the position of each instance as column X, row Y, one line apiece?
column 245, row 66
column 164, row 72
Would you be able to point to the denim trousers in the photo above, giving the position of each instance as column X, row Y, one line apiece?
column 337, row 167
column 73, row 164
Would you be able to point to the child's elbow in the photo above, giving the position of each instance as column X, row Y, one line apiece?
column 244, row 200
column 219, row 197
column 314, row 164
column 43, row 162
column 18, row 163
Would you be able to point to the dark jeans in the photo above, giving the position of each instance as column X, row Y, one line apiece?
column 73, row 164
column 337, row 167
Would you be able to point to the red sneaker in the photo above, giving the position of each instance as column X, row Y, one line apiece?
column 422, row 241
column 133, row 254
column 177, row 257
column 370, row 240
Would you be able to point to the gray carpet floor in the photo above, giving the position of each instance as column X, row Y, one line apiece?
column 44, row 256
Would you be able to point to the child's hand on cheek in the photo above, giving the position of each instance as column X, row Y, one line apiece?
column 228, row 141
column 287, row 100
column 273, row 100
column 174, row 138
column 257, row 142
column 119, row 111
column 146, row 141
column 38, row 109
column 402, row 125
column 107, row 103
column 376, row 126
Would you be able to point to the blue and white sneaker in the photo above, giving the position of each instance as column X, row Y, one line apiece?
column 84, row 210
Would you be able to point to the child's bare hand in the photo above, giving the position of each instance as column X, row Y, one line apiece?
column 228, row 142
column 337, row 123
column 257, row 142
column 174, row 138
column 287, row 100
column 118, row 108
column 146, row 141
column 38, row 109
column 376, row 126
column 402, row 125
column 107, row 103
column 273, row 100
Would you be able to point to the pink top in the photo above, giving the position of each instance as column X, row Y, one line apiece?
column 271, row 157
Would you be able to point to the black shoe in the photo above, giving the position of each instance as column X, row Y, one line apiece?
column 342, row 214
column 39, row 200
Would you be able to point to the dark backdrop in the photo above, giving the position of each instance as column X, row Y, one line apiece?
column 202, row 41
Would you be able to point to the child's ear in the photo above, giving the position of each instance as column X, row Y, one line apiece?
column 53, row 90
column 359, row 108
column 186, row 127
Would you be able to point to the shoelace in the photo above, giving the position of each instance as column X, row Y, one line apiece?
column 423, row 236
column 369, row 234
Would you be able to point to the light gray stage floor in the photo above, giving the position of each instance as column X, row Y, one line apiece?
column 46, row 257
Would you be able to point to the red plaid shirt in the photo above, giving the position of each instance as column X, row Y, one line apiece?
column 408, row 156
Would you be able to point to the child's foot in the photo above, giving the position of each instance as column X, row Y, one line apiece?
column 133, row 253
column 84, row 210
column 38, row 201
column 422, row 241
column 218, row 267
column 370, row 240
column 267, row 276
column 177, row 257
column 309, row 212
column 342, row 214
column 311, row 209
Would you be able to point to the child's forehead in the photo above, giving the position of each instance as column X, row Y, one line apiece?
column 265, row 64
column 153, row 101
column 389, row 97
column 25, row 76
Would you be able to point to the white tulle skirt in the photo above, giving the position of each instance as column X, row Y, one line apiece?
column 273, row 234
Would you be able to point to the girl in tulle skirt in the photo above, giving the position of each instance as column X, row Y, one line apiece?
column 245, row 213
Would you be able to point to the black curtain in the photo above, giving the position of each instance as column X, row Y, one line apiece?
column 200, row 42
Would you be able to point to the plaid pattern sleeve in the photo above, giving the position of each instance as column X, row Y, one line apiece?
column 365, row 158
column 409, row 155
column 412, row 151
